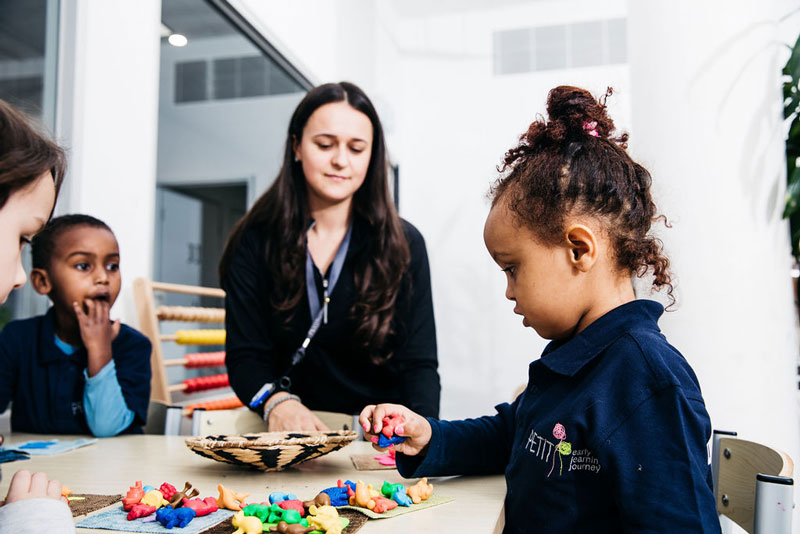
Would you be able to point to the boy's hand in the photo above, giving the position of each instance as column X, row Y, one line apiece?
column 414, row 427
column 26, row 486
column 97, row 332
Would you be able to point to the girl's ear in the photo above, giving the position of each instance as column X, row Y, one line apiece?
column 41, row 281
column 582, row 243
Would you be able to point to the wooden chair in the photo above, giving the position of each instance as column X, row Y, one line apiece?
column 752, row 484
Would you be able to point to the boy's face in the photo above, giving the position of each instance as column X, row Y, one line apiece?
column 84, row 265
column 541, row 279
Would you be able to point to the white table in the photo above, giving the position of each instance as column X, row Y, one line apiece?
column 113, row 464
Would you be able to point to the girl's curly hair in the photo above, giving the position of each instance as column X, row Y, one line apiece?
column 571, row 164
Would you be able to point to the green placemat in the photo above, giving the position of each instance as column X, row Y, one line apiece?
column 433, row 500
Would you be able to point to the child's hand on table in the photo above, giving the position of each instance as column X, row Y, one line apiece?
column 415, row 428
column 37, row 486
column 97, row 332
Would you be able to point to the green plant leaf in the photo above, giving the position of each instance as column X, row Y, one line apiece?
column 793, row 65
column 792, row 195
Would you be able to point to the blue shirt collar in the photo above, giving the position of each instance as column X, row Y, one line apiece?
column 48, row 350
column 567, row 357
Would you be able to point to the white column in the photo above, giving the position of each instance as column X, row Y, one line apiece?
column 707, row 123
column 108, row 119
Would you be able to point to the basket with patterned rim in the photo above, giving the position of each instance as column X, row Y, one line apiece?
column 270, row 451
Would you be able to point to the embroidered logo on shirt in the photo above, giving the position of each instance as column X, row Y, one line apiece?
column 77, row 408
column 546, row 450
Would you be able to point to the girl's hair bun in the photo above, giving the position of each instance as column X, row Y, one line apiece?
column 573, row 113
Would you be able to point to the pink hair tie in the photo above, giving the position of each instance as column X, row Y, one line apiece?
column 591, row 128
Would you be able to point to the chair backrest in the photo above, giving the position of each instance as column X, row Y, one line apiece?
column 752, row 484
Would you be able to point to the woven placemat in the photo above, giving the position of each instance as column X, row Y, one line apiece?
column 357, row 520
column 91, row 503
column 433, row 500
column 367, row 462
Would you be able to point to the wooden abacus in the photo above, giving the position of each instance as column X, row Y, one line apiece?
column 149, row 318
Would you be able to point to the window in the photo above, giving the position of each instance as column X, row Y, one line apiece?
column 583, row 44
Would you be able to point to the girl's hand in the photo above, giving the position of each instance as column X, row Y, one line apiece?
column 97, row 332
column 26, row 486
column 414, row 427
column 292, row 415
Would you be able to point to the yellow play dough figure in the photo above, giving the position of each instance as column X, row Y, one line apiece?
column 154, row 498
column 420, row 491
column 246, row 525
column 325, row 523
column 228, row 498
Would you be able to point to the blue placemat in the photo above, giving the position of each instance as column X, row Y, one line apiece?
column 53, row 446
column 116, row 519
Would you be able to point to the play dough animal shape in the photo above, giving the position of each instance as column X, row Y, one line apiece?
column 154, row 498
column 202, row 507
column 287, row 528
column 361, row 496
column 382, row 504
column 420, row 491
column 170, row 517
column 228, row 498
column 330, row 525
column 140, row 510
column 322, row 499
column 134, row 496
column 246, row 524
column 177, row 498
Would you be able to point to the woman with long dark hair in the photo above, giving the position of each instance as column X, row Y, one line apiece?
column 328, row 302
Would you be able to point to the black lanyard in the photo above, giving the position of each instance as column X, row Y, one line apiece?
column 319, row 316
column 319, row 313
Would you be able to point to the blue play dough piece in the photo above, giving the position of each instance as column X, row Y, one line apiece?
column 401, row 498
column 338, row 495
column 147, row 488
column 384, row 442
column 179, row 517
column 279, row 496
column 37, row 445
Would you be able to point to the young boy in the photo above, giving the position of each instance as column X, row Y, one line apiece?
column 73, row 370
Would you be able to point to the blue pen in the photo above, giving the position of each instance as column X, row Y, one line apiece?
column 261, row 395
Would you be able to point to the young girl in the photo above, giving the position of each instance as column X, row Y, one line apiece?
column 610, row 433
column 31, row 170
column 324, row 246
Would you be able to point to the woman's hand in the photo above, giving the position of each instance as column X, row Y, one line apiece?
column 292, row 415
column 26, row 486
column 415, row 428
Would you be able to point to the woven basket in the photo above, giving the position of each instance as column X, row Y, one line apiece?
column 270, row 451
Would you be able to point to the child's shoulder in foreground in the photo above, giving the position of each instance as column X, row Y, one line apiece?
column 643, row 355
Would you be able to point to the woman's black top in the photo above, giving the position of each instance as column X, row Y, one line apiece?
column 336, row 374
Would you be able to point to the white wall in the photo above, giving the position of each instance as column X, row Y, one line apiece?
column 108, row 119
column 708, row 120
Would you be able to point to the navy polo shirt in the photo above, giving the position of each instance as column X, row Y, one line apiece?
column 46, row 385
column 610, row 435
